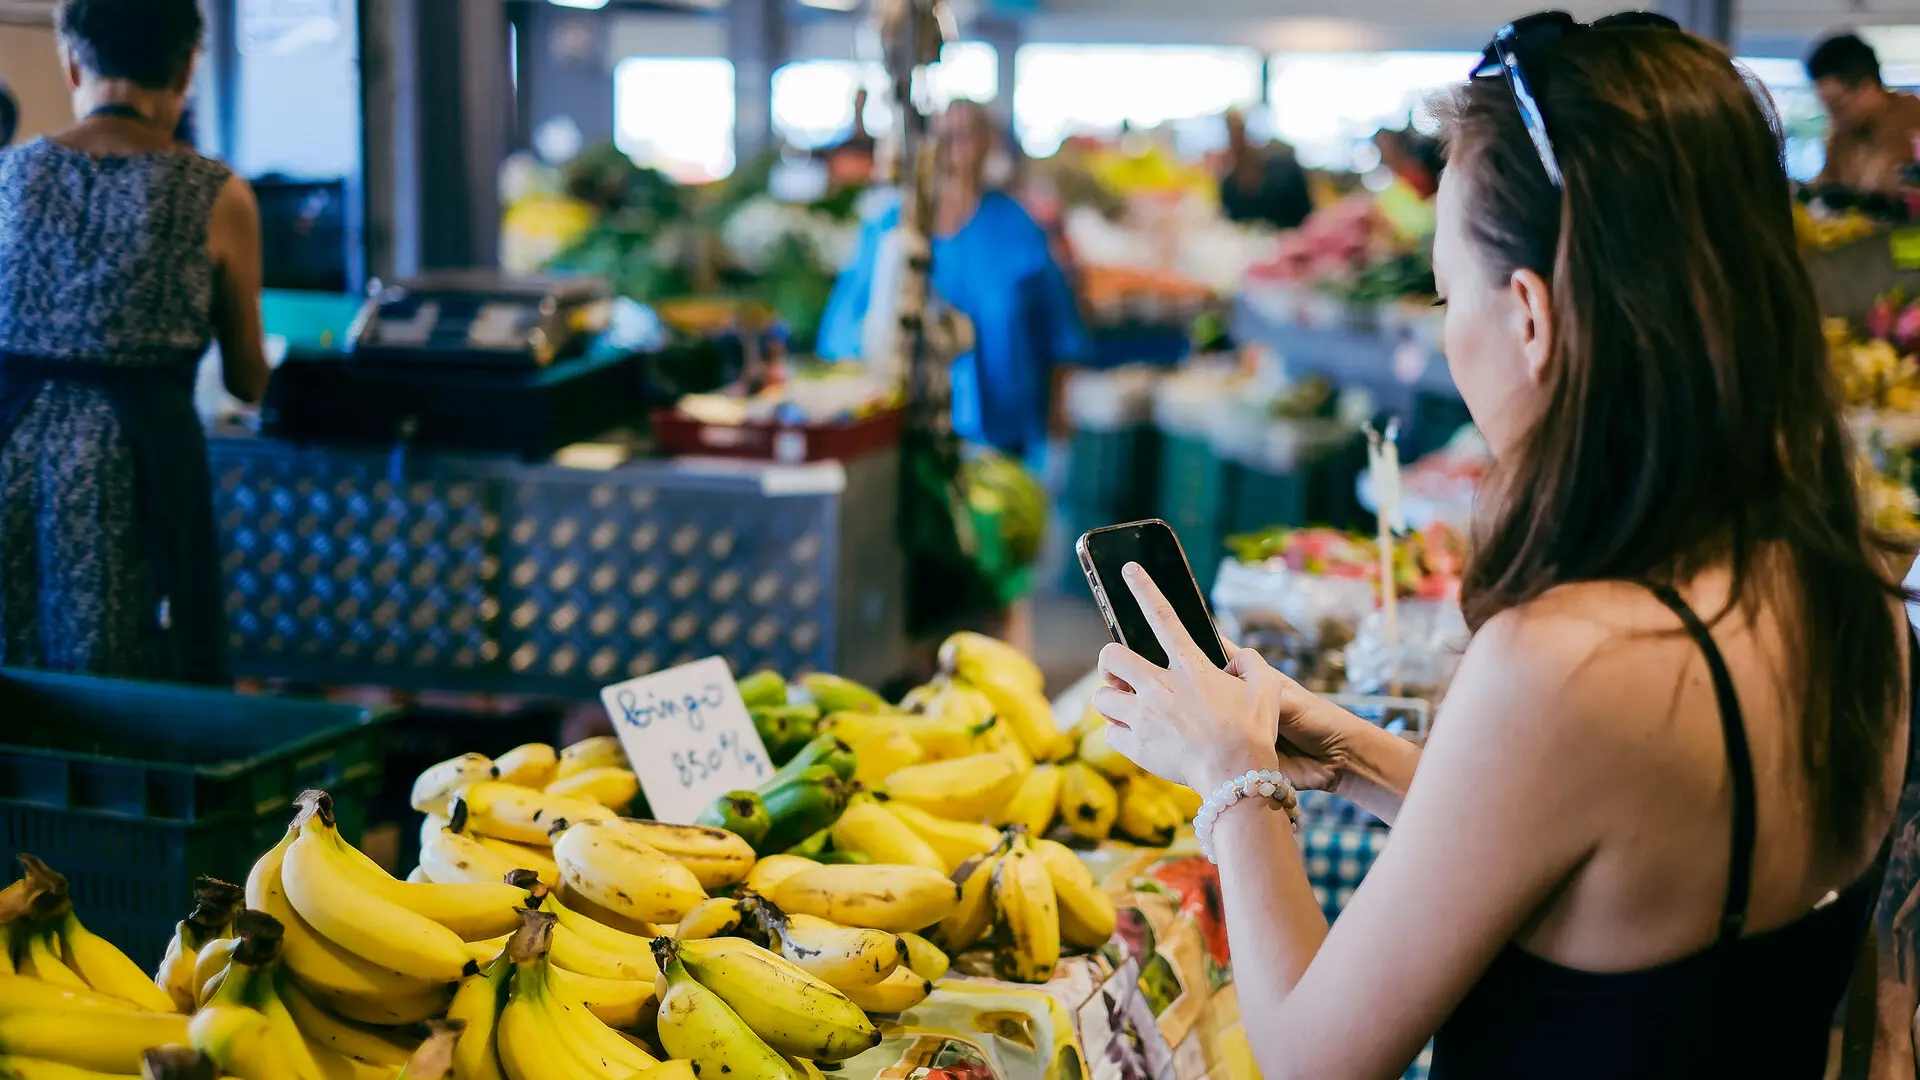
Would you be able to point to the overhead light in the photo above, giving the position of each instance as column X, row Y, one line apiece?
column 584, row 5
column 831, row 5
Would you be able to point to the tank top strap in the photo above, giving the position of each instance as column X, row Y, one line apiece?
column 1733, row 730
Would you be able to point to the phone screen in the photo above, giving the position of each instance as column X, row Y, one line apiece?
column 1105, row 552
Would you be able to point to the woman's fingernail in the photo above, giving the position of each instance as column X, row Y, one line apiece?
column 1132, row 571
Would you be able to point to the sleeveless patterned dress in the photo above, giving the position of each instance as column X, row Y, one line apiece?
column 108, row 561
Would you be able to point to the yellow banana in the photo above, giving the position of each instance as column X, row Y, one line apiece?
column 718, row 917
column 1087, row 913
column 532, row 765
column 208, row 964
column 925, row 958
column 6, row 948
column 977, row 657
column 1026, row 712
column 954, row 841
column 617, row 1003
column 524, row 815
column 450, row 854
column 323, row 967
column 1035, row 804
column 973, row 915
column 529, row 1050
column 110, row 1042
column 1146, row 815
column 535, row 857
column 769, row 872
column 419, row 876
column 717, row 857
column 435, row 787
column 40, row 959
column 26, row 994
column 1023, row 898
column 477, row 1005
column 841, row 956
column 486, row 952
column 565, row 1014
column 794, row 1012
column 1088, row 802
column 581, row 945
column 471, row 910
column 881, row 753
column 240, row 1042
column 868, row 828
column 25, row 1068
column 215, row 905
column 697, row 1026
column 670, row 1070
column 361, row 1042
column 333, row 899
column 891, row 898
column 601, row 751
column 610, row 785
column 1186, row 801
column 614, row 869
column 1000, row 739
column 961, row 789
column 1095, row 752
column 288, row 1042
column 896, row 993
column 107, row 969
column 340, row 1067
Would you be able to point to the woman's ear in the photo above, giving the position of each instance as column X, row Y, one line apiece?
column 1533, row 317
column 70, row 68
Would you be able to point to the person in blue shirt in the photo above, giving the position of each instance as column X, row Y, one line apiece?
column 992, row 263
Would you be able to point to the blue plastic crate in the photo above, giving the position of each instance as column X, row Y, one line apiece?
column 132, row 789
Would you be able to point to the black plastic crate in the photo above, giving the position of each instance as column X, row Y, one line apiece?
column 132, row 789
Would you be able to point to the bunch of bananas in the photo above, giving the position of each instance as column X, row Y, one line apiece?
column 1102, row 793
column 71, row 1004
column 1027, row 897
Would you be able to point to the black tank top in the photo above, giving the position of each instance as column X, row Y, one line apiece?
column 1746, row 1006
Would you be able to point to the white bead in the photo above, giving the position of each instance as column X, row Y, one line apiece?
column 1265, row 787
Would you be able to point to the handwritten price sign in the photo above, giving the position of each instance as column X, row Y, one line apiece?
column 689, row 737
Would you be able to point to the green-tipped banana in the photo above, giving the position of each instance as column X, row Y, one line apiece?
column 696, row 1025
column 794, row 1012
column 801, row 806
column 834, row 694
column 763, row 689
column 742, row 813
column 829, row 750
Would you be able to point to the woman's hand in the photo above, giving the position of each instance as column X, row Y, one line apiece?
column 1191, row 722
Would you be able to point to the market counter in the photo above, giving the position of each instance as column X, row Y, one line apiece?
column 351, row 565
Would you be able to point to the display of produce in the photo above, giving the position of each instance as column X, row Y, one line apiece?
column 900, row 846
column 1825, row 230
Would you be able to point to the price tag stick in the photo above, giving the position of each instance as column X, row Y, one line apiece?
column 1383, row 470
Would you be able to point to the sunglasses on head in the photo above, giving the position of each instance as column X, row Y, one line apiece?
column 1507, row 54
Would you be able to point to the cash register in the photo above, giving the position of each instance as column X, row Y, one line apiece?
column 471, row 361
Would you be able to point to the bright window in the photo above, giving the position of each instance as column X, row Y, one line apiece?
column 1328, row 105
column 1067, row 90
column 813, row 99
column 676, row 114
column 1801, row 113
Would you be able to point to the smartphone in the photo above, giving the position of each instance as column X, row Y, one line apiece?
column 1104, row 553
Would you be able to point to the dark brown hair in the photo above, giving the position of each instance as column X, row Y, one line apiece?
column 1689, row 412
column 150, row 43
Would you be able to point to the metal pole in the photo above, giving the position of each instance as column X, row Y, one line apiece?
column 758, row 42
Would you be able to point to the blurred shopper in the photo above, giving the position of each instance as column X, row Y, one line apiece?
column 1871, row 129
column 1263, row 183
column 992, row 263
column 1677, row 768
column 125, row 254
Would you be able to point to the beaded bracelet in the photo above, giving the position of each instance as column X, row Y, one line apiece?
column 1259, row 783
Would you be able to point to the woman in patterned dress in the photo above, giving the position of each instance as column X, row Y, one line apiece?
column 123, row 254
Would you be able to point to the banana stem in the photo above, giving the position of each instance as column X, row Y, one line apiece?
column 534, row 938
column 176, row 1063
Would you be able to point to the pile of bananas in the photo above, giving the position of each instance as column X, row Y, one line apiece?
column 70, row 1000
column 1872, row 372
column 1829, row 231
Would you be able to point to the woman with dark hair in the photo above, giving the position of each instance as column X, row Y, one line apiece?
column 126, row 254
column 1647, row 833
